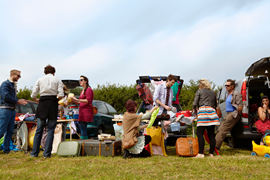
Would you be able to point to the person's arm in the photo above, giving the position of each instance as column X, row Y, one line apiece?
column 196, row 102
column 60, row 89
column 6, row 93
column 262, row 113
column 35, row 92
column 142, row 127
column 239, row 102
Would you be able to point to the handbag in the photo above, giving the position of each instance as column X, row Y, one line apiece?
column 94, row 108
column 188, row 146
column 218, row 111
column 163, row 116
column 130, row 143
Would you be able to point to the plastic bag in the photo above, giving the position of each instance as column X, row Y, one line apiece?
column 153, row 118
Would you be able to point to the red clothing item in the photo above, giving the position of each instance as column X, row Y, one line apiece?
column 262, row 126
column 85, row 110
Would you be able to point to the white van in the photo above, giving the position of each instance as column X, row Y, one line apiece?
column 253, row 87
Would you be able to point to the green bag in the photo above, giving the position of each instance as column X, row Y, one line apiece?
column 153, row 118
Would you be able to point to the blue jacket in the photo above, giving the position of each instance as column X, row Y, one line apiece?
column 8, row 94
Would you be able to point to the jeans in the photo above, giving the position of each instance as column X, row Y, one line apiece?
column 7, row 119
column 41, row 123
column 83, row 127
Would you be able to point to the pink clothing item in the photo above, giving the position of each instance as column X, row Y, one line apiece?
column 262, row 126
column 159, row 82
column 85, row 110
column 157, row 150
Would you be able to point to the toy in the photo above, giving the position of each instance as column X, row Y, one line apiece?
column 262, row 150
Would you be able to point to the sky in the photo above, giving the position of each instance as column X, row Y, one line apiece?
column 116, row 41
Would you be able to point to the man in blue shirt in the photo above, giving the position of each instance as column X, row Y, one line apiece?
column 8, row 102
column 234, row 106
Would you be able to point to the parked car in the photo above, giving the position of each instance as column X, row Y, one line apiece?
column 252, row 88
column 102, row 122
column 173, row 136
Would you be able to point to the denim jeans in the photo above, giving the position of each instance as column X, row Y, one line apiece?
column 41, row 123
column 83, row 128
column 7, row 119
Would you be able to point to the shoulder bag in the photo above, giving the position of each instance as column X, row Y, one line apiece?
column 218, row 111
column 94, row 108
column 130, row 143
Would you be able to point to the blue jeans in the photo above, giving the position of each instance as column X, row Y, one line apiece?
column 7, row 119
column 41, row 123
column 83, row 128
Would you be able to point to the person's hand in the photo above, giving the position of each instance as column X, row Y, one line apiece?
column 22, row 101
column 167, row 108
column 153, row 109
column 35, row 99
column 264, row 107
column 74, row 99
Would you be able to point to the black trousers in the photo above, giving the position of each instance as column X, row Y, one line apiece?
column 144, row 152
column 211, row 135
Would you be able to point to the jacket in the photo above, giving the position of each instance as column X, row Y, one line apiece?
column 131, row 122
column 205, row 97
column 236, row 102
column 8, row 94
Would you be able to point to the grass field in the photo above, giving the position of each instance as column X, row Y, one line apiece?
column 231, row 164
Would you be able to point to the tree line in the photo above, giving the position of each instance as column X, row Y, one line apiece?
column 117, row 95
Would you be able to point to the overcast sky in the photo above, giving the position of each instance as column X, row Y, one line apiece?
column 116, row 41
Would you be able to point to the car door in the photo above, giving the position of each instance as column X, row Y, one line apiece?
column 103, row 118
column 222, row 94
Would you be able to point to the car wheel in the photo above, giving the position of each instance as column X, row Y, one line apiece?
column 266, row 155
column 253, row 154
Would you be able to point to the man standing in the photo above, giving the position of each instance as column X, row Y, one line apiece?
column 48, row 86
column 234, row 106
column 8, row 102
column 163, row 95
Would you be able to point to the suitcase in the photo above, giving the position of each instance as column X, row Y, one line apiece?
column 188, row 146
column 69, row 148
column 112, row 149
column 92, row 147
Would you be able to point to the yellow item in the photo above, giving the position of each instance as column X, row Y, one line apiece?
column 61, row 102
column 153, row 131
column 260, row 150
column 266, row 139
column 69, row 97
column 31, row 135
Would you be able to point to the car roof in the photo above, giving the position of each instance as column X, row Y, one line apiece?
column 259, row 67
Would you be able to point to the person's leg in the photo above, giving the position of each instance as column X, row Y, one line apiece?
column 225, row 127
column 83, row 127
column 200, row 131
column 211, row 135
column 38, row 135
column 10, row 130
column 51, row 124
column 266, row 132
column 144, row 152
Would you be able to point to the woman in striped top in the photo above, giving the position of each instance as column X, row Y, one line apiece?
column 205, row 100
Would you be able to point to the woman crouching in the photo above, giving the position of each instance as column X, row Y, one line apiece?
column 131, row 122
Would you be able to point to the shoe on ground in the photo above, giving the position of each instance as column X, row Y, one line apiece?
column 200, row 156
column 125, row 154
column 211, row 155
column 33, row 156
column 46, row 157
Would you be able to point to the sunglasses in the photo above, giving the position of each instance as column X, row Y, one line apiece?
column 227, row 85
column 81, row 80
column 19, row 76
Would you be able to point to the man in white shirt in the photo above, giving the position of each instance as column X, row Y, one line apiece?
column 49, row 88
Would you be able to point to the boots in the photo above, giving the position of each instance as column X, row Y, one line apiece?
column 125, row 154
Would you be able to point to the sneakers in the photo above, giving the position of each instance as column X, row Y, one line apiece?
column 200, row 156
column 211, row 155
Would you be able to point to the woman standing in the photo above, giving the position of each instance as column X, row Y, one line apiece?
column 131, row 122
column 263, row 124
column 85, row 110
column 205, row 99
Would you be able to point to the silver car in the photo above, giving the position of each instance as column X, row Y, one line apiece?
column 255, row 85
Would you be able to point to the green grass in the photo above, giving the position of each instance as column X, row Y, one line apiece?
column 232, row 164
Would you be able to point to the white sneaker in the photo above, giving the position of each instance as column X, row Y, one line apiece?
column 211, row 155
column 200, row 156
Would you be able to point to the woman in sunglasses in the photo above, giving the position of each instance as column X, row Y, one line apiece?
column 85, row 110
